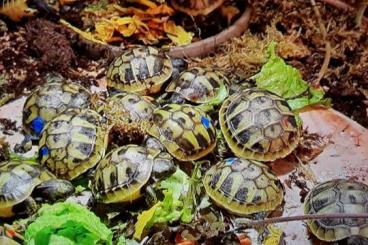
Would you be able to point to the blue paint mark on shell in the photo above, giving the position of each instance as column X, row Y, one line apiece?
column 230, row 161
column 37, row 125
column 206, row 123
column 44, row 151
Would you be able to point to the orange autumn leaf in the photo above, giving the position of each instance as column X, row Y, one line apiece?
column 104, row 31
column 127, row 26
column 162, row 9
column 177, row 34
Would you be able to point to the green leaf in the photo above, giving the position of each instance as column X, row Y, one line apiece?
column 286, row 81
column 67, row 223
column 280, row 78
column 172, row 208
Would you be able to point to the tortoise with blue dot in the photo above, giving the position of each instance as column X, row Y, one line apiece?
column 73, row 142
column 48, row 101
column 186, row 132
column 258, row 125
column 243, row 187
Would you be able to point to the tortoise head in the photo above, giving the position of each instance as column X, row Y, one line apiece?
column 53, row 190
column 163, row 166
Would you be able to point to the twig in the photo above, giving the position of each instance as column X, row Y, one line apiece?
column 327, row 57
column 259, row 223
column 344, row 6
column 208, row 45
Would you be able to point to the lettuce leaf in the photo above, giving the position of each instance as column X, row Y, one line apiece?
column 286, row 81
column 67, row 223
column 175, row 206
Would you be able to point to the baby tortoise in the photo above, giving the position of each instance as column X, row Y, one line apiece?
column 243, row 187
column 338, row 196
column 122, row 174
column 21, row 179
column 259, row 125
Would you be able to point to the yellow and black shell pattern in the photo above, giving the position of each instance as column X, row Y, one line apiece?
column 186, row 132
column 48, row 101
column 137, row 108
column 243, row 186
column 120, row 176
column 198, row 85
column 17, row 181
column 196, row 7
column 143, row 69
column 258, row 125
column 73, row 142
column 338, row 196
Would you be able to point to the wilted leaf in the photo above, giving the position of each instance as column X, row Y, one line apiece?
column 274, row 235
column 177, row 34
column 143, row 219
column 86, row 35
column 162, row 9
column 104, row 31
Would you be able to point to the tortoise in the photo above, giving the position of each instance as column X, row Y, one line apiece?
column 73, row 142
column 49, row 100
column 186, row 132
column 243, row 187
column 122, row 174
column 259, row 125
column 198, row 85
column 142, row 69
column 337, row 196
column 196, row 7
column 21, row 179
column 138, row 108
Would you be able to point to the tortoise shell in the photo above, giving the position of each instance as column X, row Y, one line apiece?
column 337, row 196
column 196, row 7
column 17, row 181
column 143, row 70
column 49, row 100
column 258, row 125
column 243, row 186
column 73, row 142
column 120, row 176
column 138, row 107
column 199, row 85
column 186, row 132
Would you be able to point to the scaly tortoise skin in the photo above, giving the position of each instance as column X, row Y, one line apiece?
column 186, row 132
column 243, row 186
column 196, row 7
column 73, row 142
column 199, row 85
column 121, row 175
column 337, row 196
column 142, row 70
column 48, row 101
column 258, row 125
